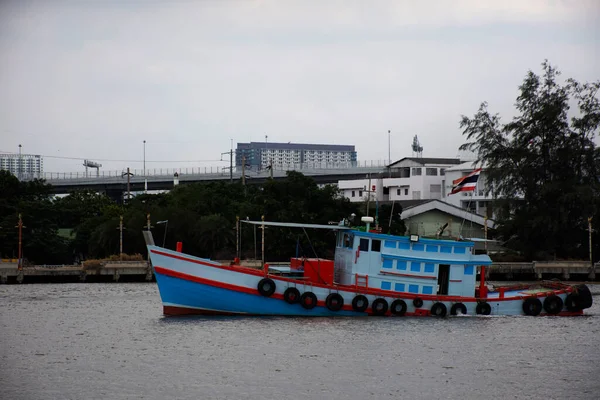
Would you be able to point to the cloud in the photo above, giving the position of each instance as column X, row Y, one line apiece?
column 94, row 79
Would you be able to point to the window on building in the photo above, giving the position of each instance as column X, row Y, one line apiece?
column 360, row 193
column 431, row 171
column 353, row 193
column 406, row 192
column 398, row 191
column 442, row 171
column 416, row 171
column 386, row 190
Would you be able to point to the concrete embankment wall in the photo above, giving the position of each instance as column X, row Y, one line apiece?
column 121, row 271
column 136, row 271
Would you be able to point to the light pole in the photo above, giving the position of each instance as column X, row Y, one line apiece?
column 166, row 222
column 266, row 148
column 144, row 158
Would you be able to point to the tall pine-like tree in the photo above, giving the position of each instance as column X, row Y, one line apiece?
column 543, row 167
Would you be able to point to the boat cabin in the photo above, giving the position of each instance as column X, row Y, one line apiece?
column 408, row 264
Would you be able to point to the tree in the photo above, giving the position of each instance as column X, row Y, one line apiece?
column 542, row 167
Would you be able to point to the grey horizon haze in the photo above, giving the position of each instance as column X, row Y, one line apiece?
column 94, row 79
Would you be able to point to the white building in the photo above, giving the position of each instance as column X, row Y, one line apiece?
column 476, row 201
column 411, row 178
column 24, row 166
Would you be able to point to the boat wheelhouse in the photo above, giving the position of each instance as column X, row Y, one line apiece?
column 371, row 274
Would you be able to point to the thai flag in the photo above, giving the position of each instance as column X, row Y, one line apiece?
column 466, row 183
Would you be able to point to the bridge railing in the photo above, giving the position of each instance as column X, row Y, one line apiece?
column 213, row 170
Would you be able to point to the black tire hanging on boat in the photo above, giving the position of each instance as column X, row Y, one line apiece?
column 483, row 308
column 553, row 304
column 572, row 302
column 360, row 303
column 417, row 302
column 458, row 307
column 291, row 295
column 379, row 306
column 439, row 310
column 532, row 306
column 584, row 297
column 266, row 287
column 398, row 307
column 334, row 302
column 308, row 300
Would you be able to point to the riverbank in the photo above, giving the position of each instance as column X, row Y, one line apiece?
column 141, row 271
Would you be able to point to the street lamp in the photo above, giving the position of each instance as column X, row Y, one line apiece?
column 166, row 222
column 144, row 158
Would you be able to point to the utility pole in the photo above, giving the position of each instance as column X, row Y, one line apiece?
column 144, row 158
column 120, row 228
column 129, row 175
column 389, row 147
column 20, row 250
column 230, row 152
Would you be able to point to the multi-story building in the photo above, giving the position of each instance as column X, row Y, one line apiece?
column 259, row 155
column 24, row 166
column 411, row 178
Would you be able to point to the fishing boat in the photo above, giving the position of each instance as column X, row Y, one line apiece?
column 372, row 274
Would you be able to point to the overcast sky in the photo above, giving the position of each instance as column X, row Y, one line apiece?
column 93, row 79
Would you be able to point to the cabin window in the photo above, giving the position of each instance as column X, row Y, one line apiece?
column 388, row 264
column 427, row 289
column 418, row 247
column 386, row 285
column 468, row 270
column 432, row 249
column 364, row 244
column 399, row 287
column 376, row 245
column 459, row 250
column 429, row 267
column 401, row 265
column 347, row 240
column 390, row 244
column 415, row 267
column 445, row 249
column 413, row 288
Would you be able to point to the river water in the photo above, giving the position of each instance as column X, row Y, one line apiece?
column 110, row 341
